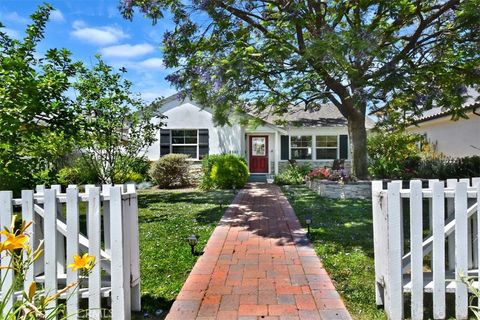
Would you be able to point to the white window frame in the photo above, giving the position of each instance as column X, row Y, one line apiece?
column 337, row 147
column 185, row 144
column 290, row 146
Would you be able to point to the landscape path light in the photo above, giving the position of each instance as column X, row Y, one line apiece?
column 192, row 241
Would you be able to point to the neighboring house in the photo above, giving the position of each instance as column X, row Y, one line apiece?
column 459, row 138
column 318, row 137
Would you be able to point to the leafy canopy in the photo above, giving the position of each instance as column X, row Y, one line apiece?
column 37, row 121
column 115, row 123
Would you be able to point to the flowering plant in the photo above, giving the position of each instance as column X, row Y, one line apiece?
column 319, row 173
column 32, row 303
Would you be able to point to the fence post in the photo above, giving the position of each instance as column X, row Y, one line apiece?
column 73, row 227
column 416, row 248
column 106, row 218
column 395, row 272
column 135, row 249
column 6, row 211
column 120, row 280
column 50, row 232
column 438, row 256
column 461, row 248
column 378, row 241
column 94, row 240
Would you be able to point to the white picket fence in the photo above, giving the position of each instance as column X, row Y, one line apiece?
column 115, row 278
column 439, row 222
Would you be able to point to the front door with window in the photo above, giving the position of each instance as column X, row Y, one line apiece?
column 258, row 154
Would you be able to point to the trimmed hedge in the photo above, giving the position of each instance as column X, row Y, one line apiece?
column 224, row 171
column 171, row 171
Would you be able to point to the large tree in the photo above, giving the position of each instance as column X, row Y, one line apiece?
column 270, row 55
column 36, row 115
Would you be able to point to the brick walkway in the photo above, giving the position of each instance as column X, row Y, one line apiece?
column 258, row 264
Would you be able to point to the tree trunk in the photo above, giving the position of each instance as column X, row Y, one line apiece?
column 358, row 141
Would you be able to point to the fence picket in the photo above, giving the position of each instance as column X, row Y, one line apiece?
column 477, row 184
column 395, row 274
column 451, row 183
column 416, row 241
column 50, row 254
column 135, row 249
column 438, row 258
column 6, row 212
column 106, row 218
column 73, row 228
column 378, row 241
column 120, row 282
column 27, row 215
column 461, row 258
column 94, row 240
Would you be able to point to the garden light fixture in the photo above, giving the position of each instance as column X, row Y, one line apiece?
column 308, row 221
column 192, row 241
column 234, row 188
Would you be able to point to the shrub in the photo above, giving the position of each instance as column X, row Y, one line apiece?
column 81, row 172
column 393, row 154
column 170, row 171
column 294, row 174
column 224, row 171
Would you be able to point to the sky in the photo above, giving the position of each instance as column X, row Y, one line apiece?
column 88, row 27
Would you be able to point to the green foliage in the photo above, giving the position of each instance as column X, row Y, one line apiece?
column 294, row 174
column 341, row 233
column 393, row 154
column 116, row 124
column 446, row 168
column 224, row 171
column 171, row 171
column 267, row 56
column 37, row 122
column 79, row 173
column 166, row 219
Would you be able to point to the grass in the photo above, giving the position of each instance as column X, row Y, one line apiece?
column 342, row 234
column 166, row 218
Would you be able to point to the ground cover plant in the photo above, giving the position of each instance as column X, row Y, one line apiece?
column 166, row 218
column 342, row 234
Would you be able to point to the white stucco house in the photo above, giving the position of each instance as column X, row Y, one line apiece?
column 455, row 139
column 318, row 137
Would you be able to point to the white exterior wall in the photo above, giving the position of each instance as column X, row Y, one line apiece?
column 453, row 138
column 186, row 115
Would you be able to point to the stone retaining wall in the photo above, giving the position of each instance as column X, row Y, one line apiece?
column 335, row 190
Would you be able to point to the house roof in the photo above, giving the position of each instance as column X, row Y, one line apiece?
column 440, row 112
column 326, row 115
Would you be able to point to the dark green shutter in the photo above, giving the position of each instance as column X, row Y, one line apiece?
column 343, row 146
column 284, row 148
column 202, row 143
column 164, row 141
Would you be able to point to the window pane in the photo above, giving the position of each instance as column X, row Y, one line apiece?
column 189, row 140
column 327, row 153
column 190, row 150
column 302, row 154
column 301, row 141
column 258, row 146
column 326, row 141
column 191, row 133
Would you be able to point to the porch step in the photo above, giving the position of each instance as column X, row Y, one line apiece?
column 257, row 178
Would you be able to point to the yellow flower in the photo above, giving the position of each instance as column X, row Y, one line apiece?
column 82, row 262
column 13, row 241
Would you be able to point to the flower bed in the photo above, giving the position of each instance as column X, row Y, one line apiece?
column 339, row 190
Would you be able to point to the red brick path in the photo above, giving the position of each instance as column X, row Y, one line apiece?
column 258, row 264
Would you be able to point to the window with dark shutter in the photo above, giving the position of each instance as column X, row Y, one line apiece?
column 284, row 147
column 343, row 146
column 164, row 141
column 203, row 146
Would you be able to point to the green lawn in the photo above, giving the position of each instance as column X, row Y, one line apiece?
column 166, row 218
column 342, row 234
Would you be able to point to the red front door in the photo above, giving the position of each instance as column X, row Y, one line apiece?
column 258, row 154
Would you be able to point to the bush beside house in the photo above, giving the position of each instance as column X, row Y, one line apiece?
column 171, row 171
column 224, row 171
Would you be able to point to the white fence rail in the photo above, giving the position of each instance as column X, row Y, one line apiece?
column 109, row 218
column 425, row 239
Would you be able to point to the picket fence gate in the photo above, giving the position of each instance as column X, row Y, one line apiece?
column 412, row 223
column 111, row 236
